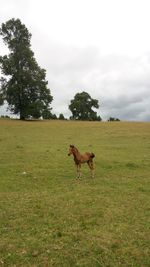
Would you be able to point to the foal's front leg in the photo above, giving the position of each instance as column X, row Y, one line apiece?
column 78, row 171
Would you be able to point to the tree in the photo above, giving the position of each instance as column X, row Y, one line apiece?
column 113, row 119
column 25, row 88
column 81, row 107
column 47, row 115
column 61, row 117
column 54, row 117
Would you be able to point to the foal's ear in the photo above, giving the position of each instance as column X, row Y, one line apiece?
column 72, row 146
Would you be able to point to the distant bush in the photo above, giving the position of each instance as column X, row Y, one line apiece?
column 5, row 117
column 47, row 115
column 61, row 117
column 113, row 119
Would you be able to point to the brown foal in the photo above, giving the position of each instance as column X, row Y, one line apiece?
column 82, row 158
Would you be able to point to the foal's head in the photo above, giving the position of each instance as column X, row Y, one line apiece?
column 72, row 150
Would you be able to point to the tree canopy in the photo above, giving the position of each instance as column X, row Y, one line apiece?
column 82, row 107
column 23, row 84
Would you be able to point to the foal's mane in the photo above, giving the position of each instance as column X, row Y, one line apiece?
column 75, row 149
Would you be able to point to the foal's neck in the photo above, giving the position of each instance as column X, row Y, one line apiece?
column 76, row 154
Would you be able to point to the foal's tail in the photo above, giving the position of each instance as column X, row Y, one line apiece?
column 92, row 155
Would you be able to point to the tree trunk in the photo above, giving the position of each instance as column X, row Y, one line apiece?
column 22, row 116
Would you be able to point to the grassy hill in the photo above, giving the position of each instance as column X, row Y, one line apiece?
column 48, row 218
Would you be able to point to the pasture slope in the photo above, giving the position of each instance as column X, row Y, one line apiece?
column 48, row 218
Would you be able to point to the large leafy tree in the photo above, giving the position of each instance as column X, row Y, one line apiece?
column 23, row 84
column 82, row 107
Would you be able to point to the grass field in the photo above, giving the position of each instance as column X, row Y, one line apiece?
column 48, row 218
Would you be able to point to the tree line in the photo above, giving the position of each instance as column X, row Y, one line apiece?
column 23, row 84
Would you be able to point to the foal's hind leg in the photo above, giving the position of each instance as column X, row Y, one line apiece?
column 91, row 166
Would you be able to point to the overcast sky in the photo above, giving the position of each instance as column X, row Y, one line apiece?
column 98, row 46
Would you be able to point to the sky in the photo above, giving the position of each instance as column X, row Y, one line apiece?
column 98, row 46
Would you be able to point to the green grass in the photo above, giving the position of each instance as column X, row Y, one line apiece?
column 48, row 218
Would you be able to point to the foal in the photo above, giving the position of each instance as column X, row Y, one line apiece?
column 82, row 158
